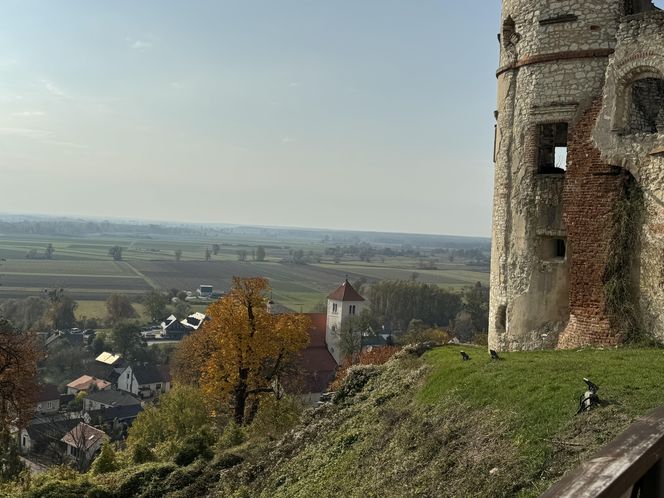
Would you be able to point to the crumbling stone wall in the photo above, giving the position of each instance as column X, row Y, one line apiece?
column 552, row 64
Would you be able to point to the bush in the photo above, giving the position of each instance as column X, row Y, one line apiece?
column 194, row 447
column 275, row 417
column 105, row 462
column 140, row 453
column 232, row 436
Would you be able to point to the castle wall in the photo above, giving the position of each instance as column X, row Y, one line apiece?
column 551, row 68
column 586, row 64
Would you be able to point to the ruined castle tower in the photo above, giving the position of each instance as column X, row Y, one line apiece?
column 578, row 222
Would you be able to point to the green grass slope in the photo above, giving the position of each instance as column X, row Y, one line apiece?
column 432, row 426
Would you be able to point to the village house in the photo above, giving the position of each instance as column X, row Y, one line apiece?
column 47, row 399
column 87, row 383
column 145, row 381
column 175, row 329
column 43, row 437
column 113, row 421
column 108, row 399
column 82, row 444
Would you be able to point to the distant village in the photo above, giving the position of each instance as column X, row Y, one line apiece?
column 101, row 403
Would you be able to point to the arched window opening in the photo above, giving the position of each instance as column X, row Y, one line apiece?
column 646, row 106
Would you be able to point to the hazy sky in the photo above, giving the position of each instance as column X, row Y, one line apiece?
column 352, row 114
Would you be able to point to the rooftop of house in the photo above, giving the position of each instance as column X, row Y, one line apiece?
column 85, row 382
column 113, row 398
column 49, row 429
column 83, row 436
column 114, row 413
column 47, row 392
column 150, row 374
column 345, row 292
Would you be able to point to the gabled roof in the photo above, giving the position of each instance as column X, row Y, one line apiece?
column 346, row 292
column 113, row 398
column 47, row 392
column 51, row 429
column 85, row 382
column 150, row 374
column 83, row 436
column 115, row 412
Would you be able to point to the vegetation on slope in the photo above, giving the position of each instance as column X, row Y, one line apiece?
column 429, row 426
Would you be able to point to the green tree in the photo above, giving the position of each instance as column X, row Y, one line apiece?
column 350, row 338
column 61, row 309
column 119, row 307
column 178, row 254
column 260, row 253
column 215, row 249
column 242, row 255
column 208, row 254
column 182, row 309
column 116, row 253
column 155, row 304
column 49, row 251
column 127, row 340
column 180, row 413
column 476, row 303
column 106, row 461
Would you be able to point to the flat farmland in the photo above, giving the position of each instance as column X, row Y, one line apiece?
column 83, row 267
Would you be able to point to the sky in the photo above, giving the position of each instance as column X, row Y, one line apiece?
column 344, row 114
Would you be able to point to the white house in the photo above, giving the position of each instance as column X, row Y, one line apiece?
column 145, row 381
column 47, row 399
column 343, row 303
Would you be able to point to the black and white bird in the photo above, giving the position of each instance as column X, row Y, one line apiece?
column 464, row 356
column 589, row 399
column 494, row 355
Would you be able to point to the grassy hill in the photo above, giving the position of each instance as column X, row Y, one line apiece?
column 425, row 426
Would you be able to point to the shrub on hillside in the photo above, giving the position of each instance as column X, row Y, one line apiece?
column 194, row 447
column 106, row 461
column 376, row 356
column 276, row 417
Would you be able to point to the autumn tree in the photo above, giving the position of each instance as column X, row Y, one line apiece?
column 19, row 354
column 119, row 307
column 242, row 350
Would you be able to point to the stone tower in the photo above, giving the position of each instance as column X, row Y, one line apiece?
column 577, row 152
column 345, row 302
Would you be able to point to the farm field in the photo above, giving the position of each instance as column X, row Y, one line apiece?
column 83, row 267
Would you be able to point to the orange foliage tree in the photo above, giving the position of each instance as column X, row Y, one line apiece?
column 239, row 353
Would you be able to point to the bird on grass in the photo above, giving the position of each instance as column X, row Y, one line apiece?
column 464, row 356
column 494, row 355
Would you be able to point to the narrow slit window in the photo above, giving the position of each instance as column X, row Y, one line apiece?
column 552, row 148
column 560, row 249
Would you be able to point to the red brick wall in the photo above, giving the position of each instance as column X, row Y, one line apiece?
column 590, row 192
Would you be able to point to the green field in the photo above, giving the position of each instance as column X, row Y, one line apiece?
column 83, row 267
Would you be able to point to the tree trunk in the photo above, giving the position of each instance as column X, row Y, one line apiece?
column 240, row 396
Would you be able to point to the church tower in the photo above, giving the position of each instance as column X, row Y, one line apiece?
column 344, row 303
column 556, row 188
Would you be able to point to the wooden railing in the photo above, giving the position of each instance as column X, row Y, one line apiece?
column 632, row 465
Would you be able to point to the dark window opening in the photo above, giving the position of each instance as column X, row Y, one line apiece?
column 501, row 317
column 552, row 148
column 637, row 6
column 553, row 249
column 560, row 249
column 646, row 110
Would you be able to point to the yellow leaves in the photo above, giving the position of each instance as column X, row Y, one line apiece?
column 241, row 336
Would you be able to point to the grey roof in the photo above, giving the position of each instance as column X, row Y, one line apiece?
column 115, row 412
column 150, row 374
column 51, row 430
column 113, row 398
column 373, row 340
column 47, row 392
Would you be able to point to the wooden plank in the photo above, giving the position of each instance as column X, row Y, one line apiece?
column 619, row 465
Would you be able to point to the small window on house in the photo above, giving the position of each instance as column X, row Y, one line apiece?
column 646, row 109
column 334, row 307
column 552, row 148
column 351, row 309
